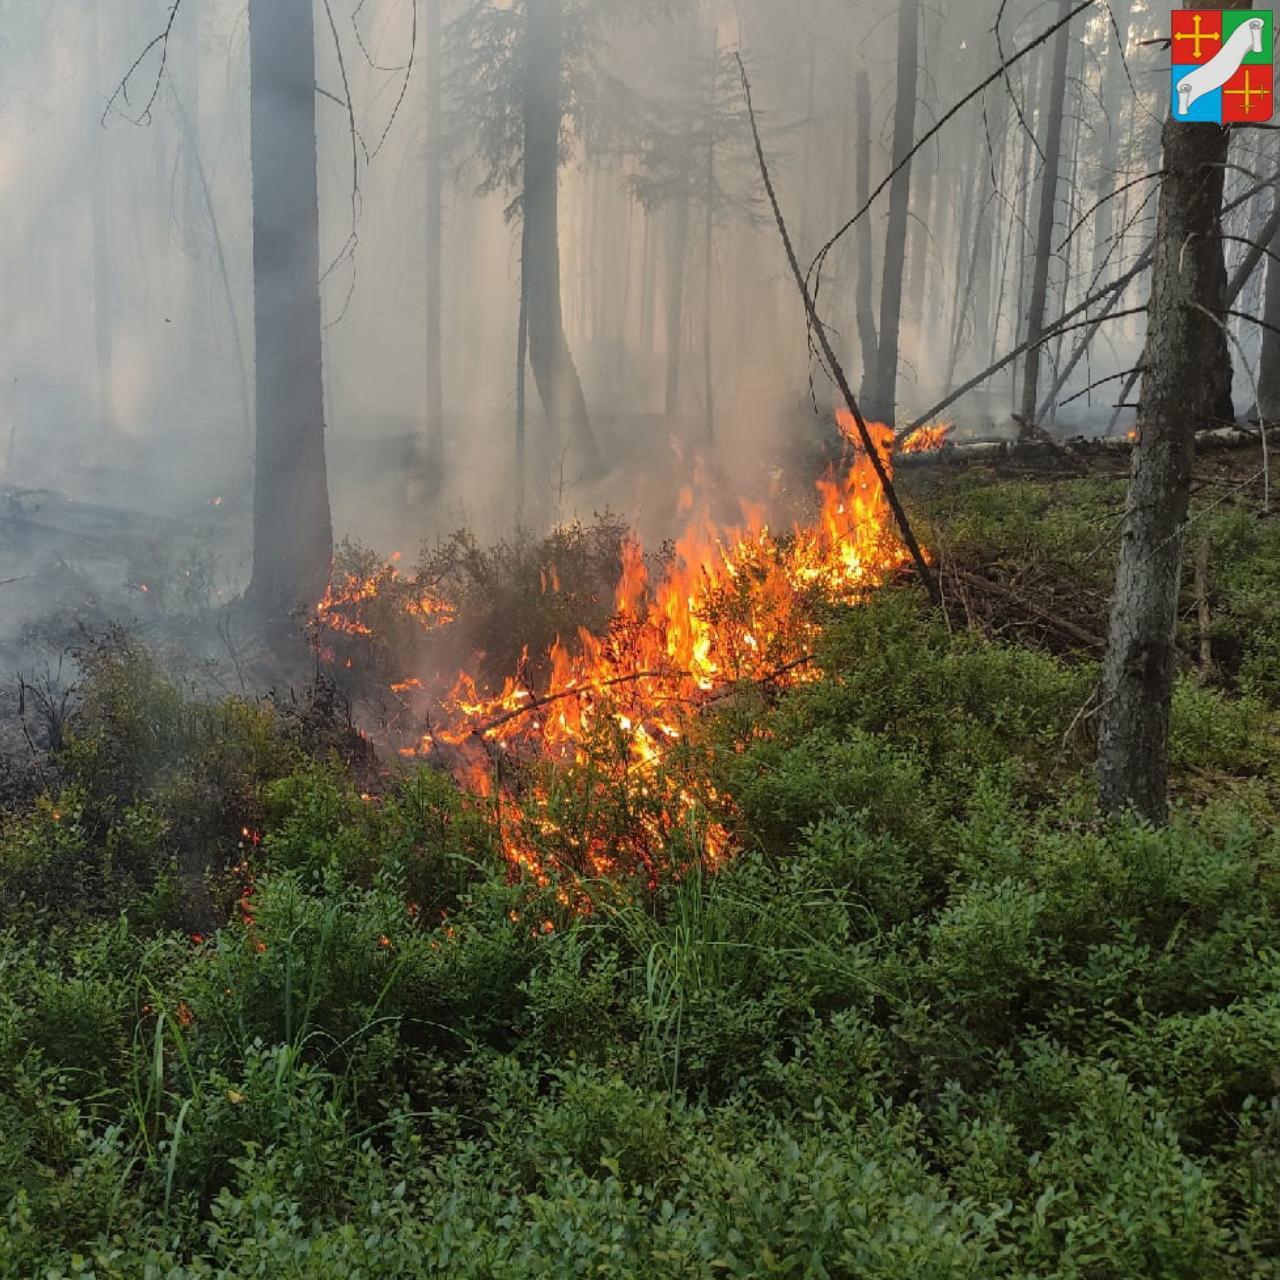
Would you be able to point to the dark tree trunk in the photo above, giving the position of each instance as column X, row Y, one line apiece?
column 1269, row 361
column 554, row 372
column 1186, row 386
column 864, row 295
column 882, row 405
column 522, row 364
column 292, row 528
column 1048, row 208
column 435, row 234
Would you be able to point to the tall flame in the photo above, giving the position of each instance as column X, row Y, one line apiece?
column 732, row 605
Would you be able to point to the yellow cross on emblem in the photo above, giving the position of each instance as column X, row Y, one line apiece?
column 1249, row 92
column 1197, row 35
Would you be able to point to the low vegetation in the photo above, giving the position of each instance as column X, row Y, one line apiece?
column 270, row 1009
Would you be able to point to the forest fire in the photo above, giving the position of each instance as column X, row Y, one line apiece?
column 345, row 605
column 927, row 439
column 586, row 772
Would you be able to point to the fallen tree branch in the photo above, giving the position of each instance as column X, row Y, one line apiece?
column 1063, row 625
column 833, row 364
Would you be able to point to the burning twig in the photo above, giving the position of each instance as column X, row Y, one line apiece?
column 837, row 370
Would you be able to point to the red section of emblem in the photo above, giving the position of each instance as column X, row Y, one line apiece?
column 1197, row 35
column 1247, row 96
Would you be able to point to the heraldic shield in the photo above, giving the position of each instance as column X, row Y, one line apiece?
column 1222, row 65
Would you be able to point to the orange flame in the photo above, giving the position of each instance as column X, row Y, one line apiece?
column 733, row 605
column 927, row 439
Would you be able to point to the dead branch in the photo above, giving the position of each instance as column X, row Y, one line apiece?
column 161, row 41
column 1063, row 626
column 833, row 364
column 1000, row 72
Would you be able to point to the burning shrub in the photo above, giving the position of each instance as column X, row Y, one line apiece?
column 519, row 596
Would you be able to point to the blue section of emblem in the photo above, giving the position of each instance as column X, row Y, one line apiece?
column 1206, row 110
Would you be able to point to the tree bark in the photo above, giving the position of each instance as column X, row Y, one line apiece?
column 1048, row 207
column 435, row 239
column 1269, row 360
column 292, row 526
column 1186, row 386
column 554, row 372
column 882, row 404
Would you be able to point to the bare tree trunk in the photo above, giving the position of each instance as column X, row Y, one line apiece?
column 862, row 193
column 648, row 284
column 922, row 171
column 1115, row 89
column 1020, row 211
column 100, row 219
column 435, row 239
column 292, row 527
column 964, row 286
column 1048, row 207
column 1269, row 360
column 882, row 405
column 1186, row 385
column 522, row 364
column 708, row 248
column 554, row 372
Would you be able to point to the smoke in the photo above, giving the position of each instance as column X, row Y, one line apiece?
column 126, row 341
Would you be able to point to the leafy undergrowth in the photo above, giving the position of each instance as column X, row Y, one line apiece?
column 933, row 1020
column 1052, row 547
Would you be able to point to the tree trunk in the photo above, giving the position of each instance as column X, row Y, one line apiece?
column 965, row 275
column 708, row 249
column 1186, row 386
column 554, row 372
column 677, row 251
column 435, row 237
column 1115, row 90
column 883, row 406
column 292, row 527
column 522, row 364
column 1048, row 207
column 99, row 213
column 1269, row 361
column 862, row 192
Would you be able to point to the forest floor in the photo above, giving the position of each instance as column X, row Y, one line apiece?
column 931, row 1017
